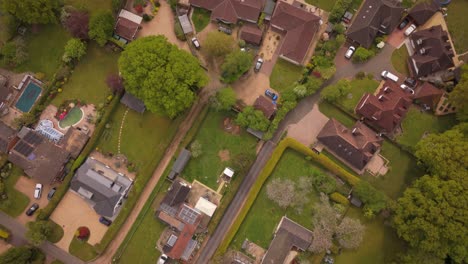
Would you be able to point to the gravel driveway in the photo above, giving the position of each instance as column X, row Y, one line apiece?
column 26, row 186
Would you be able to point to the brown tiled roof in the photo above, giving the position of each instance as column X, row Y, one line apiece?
column 126, row 29
column 231, row 10
column 356, row 145
column 374, row 16
column 265, row 105
column 422, row 12
column 432, row 51
column 171, row 220
column 428, row 95
column 386, row 109
column 182, row 242
column 251, row 34
column 74, row 141
column 7, row 136
column 300, row 27
column 289, row 234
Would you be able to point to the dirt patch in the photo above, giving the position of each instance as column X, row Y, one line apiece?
column 224, row 155
column 252, row 87
column 270, row 43
column 117, row 163
column 230, row 127
column 254, row 250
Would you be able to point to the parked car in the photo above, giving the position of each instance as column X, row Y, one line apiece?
column 411, row 82
column 196, row 43
column 389, row 75
column 105, row 221
column 271, row 94
column 406, row 88
column 410, row 29
column 32, row 209
column 403, row 23
column 349, row 53
column 162, row 259
column 38, row 191
column 51, row 193
column 258, row 64
column 225, row 30
column 347, row 17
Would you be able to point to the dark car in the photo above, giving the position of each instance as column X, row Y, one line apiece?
column 51, row 193
column 105, row 221
column 403, row 23
column 224, row 29
column 32, row 209
column 411, row 82
column 271, row 94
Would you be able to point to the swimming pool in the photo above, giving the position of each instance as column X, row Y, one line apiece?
column 28, row 97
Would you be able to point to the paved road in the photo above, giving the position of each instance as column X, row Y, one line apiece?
column 18, row 239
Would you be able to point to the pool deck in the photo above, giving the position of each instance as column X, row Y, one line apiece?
column 50, row 110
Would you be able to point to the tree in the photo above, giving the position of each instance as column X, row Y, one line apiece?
column 338, row 10
column 334, row 92
column 115, row 83
column 218, row 44
column 326, row 72
column 373, row 199
column 350, row 233
column 74, row 50
column 236, row 63
column 14, row 52
column 300, row 90
column 161, row 74
column 101, row 26
column 225, row 98
column 281, row 192
column 17, row 255
column 339, row 28
column 431, row 216
column 32, row 11
column 252, row 118
column 196, row 149
column 38, row 231
column 458, row 97
column 313, row 84
column 77, row 24
column 362, row 54
column 323, row 183
column 322, row 240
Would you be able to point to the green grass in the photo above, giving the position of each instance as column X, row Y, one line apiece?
column 56, row 262
column 88, row 81
column 332, row 112
column 82, row 250
column 417, row 123
column 200, row 18
column 45, row 49
column 264, row 215
column 380, row 244
column 17, row 201
column 326, row 5
column 213, row 139
column 399, row 60
column 57, row 233
column 456, row 21
column 284, row 75
column 91, row 5
column 358, row 89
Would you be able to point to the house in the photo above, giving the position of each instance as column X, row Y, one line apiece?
column 231, row 11
column 288, row 236
column 385, row 110
column 374, row 17
column 299, row 28
column 265, row 105
column 174, row 198
column 102, row 187
column 7, row 138
column 39, row 157
column 127, row 26
column 430, row 52
column 423, row 11
column 355, row 146
column 179, row 164
column 133, row 103
column 251, row 34
column 428, row 96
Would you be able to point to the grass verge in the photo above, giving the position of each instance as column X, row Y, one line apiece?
column 200, row 18
column 399, row 60
column 82, row 250
column 57, row 233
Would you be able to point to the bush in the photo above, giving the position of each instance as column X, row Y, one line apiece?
column 360, row 75
column 147, row 17
column 339, row 9
column 361, row 55
column 339, row 198
column 373, row 199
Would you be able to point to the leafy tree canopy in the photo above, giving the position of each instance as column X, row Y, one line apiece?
column 459, row 96
column 38, row 231
column 17, row 255
column 334, row 92
column 218, row 44
column 225, row 98
column 77, row 23
column 252, row 118
column 373, row 199
column 74, row 49
column 101, row 26
column 236, row 63
column 32, row 11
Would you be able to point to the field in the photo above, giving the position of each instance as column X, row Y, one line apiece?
column 399, row 60
column 456, row 21
column 88, row 81
column 284, row 75
column 200, row 18
column 17, row 201
column 358, row 88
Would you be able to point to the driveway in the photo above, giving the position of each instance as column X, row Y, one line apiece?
column 26, row 186
column 397, row 37
column 307, row 129
column 251, row 87
column 73, row 212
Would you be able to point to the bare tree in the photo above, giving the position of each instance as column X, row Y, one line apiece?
column 196, row 149
column 350, row 233
column 281, row 192
column 322, row 240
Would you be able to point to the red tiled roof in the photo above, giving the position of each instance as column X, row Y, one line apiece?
column 126, row 29
column 386, row 109
column 428, row 94
column 251, row 34
column 265, row 105
column 300, row 27
column 182, row 241
column 231, row 10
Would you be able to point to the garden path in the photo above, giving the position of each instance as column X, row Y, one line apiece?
column 121, row 128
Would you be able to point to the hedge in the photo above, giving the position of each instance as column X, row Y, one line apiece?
column 339, row 198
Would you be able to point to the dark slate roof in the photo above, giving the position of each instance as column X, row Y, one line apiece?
column 428, row 95
column 289, row 234
column 7, row 135
column 177, row 193
column 422, row 12
column 356, row 145
column 265, row 105
column 230, row 11
column 432, row 51
column 300, row 27
column 181, row 162
column 374, row 16
column 133, row 103
column 104, row 186
column 251, row 34
column 269, row 8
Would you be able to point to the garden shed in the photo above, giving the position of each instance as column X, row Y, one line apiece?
column 180, row 163
column 185, row 23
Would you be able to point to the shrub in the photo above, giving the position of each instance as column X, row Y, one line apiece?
column 361, row 55
column 147, row 17
column 339, row 9
column 360, row 75
column 339, row 198
column 82, row 233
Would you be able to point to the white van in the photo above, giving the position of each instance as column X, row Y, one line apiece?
column 389, row 75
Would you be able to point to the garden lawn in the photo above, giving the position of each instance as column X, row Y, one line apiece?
column 456, row 22
column 284, row 75
column 82, row 250
column 17, row 201
column 91, row 6
column 200, row 18
column 380, row 244
column 45, row 49
column 400, row 59
column 358, row 89
column 416, row 123
column 264, row 215
column 57, row 233
column 88, row 81
column 213, row 139
column 326, row 5
column 332, row 112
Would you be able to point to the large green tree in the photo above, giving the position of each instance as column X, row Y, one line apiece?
column 218, row 44
column 74, row 50
column 255, row 119
column 459, row 96
column 17, row 255
column 32, row 11
column 236, row 63
column 101, row 26
column 432, row 216
column 225, row 98
column 39, row 231
column 161, row 74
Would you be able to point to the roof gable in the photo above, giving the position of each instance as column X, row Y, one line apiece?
column 422, row 12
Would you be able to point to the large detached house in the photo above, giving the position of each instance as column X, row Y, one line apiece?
column 355, row 146
column 431, row 51
column 231, row 11
column 422, row 12
column 375, row 16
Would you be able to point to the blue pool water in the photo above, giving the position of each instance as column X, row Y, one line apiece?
column 29, row 97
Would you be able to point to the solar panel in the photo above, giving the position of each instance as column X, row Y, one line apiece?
column 188, row 215
column 168, row 209
column 23, row 149
column 32, row 138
